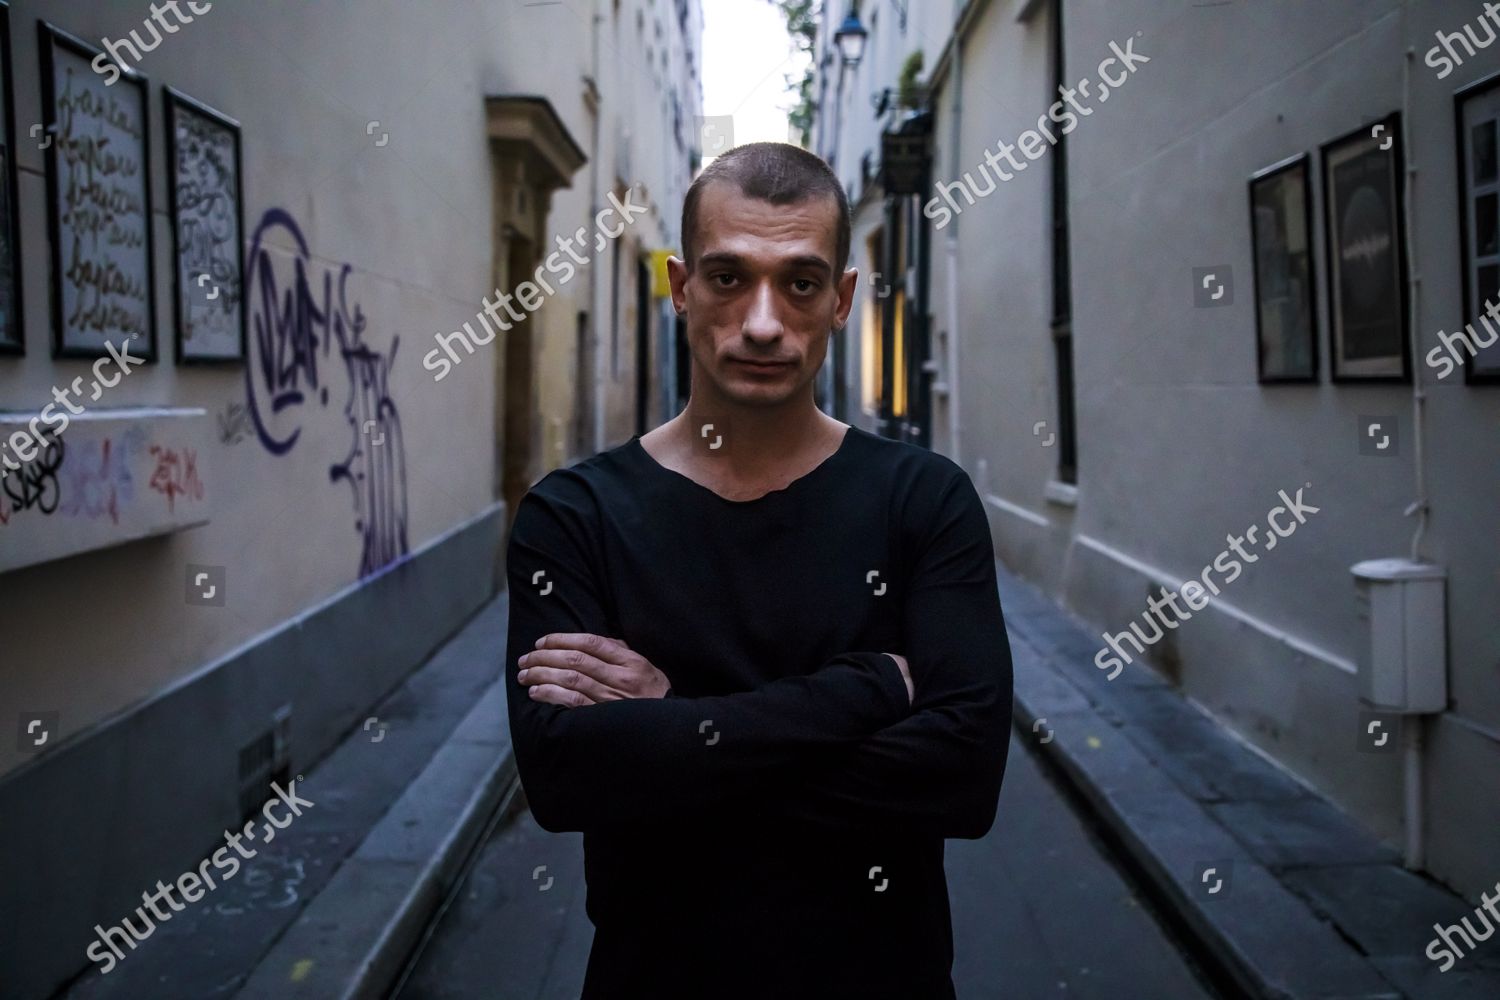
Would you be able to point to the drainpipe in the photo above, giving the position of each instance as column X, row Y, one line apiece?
column 955, row 423
column 594, row 310
column 1414, row 812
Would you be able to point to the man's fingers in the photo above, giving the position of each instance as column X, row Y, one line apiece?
column 569, row 679
column 565, row 661
column 598, row 646
column 555, row 695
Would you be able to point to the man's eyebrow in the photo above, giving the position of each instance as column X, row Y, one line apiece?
column 813, row 261
column 737, row 260
column 720, row 257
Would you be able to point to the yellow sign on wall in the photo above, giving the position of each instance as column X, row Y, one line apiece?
column 660, row 287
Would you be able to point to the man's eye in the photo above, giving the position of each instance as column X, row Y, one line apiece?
column 805, row 285
column 725, row 275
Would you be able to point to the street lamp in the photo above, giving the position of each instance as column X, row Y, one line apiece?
column 850, row 38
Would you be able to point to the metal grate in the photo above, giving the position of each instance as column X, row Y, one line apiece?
column 264, row 760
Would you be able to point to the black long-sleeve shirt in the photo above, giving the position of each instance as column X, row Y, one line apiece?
column 775, row 826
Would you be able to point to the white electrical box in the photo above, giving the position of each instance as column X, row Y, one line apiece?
column 1404, row 666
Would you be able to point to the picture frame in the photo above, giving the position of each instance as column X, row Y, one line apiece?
column 1476, row 118
column 207, row 209
column 1369, row 336
column 12, row 313
column 103, row 276
column 1286, row 313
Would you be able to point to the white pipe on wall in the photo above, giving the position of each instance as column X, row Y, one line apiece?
column 597, row 315
column 955, row 420
column 1413, row 812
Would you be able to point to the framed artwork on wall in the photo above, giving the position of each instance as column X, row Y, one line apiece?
column 207, row 210
column 12, row 335
column 1365, row 244
column 98, row 200
column 1286, row 323
column 1477, row 109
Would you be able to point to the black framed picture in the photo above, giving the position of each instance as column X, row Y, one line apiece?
column 12, row 333
column 1365, row 243
column 1285, row 301
column 1477, row 114
column 98, row 199
column 207, row 209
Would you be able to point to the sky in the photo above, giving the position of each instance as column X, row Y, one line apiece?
column 747, row 56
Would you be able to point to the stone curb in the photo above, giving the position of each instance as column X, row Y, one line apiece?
column 1266, row 938
column 353, row 940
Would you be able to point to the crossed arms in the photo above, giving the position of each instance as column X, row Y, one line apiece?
column 601, row 743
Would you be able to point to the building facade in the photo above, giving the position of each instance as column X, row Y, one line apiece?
column 1198, row 272
column 303, row 327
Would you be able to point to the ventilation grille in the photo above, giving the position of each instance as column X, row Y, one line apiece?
column 264, row 760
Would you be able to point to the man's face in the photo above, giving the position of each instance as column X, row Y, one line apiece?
column 762, row 300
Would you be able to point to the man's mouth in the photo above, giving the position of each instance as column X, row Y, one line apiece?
column 762, row 366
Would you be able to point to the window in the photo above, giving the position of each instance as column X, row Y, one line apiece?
column 898, row 356
column 1479, row 182
column 614, row 313
column 1062, row 290
column 877, row 288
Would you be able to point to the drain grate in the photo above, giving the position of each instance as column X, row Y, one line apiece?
column 265, row 759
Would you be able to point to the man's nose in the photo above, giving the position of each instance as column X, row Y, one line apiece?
column 761, row 321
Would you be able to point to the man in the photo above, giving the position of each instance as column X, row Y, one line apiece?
column 757, row 655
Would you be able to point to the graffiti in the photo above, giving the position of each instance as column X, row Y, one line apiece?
column 234, row 424
column 98, row 479
column 176, row 474
column 271, row 883
column 292, row 329
column 375, row 467
column 301, row 325
column 34, row 484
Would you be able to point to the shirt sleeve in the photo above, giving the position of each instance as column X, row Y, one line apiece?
column 938, row 771
column 637, row 762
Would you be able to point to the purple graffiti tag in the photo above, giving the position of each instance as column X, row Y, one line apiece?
column 375, row 467
column 297, row 323
column 290, row 328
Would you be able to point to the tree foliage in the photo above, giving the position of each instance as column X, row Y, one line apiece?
column 802, row 24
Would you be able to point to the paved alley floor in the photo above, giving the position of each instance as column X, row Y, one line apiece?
column 1039, row 910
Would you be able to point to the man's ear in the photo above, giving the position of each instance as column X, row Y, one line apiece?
column 847, row 282
column 677, row 276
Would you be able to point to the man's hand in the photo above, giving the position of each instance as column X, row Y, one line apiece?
column 573, row 669
column 911, row 691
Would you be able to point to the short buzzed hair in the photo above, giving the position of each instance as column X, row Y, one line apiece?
column 777, row 172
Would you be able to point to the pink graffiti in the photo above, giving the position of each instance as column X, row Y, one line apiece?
column 176, row 474
column 96, row 487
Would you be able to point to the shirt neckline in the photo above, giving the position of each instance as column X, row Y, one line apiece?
column 813, row 473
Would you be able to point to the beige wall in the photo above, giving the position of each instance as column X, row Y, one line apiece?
column 96, row 633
